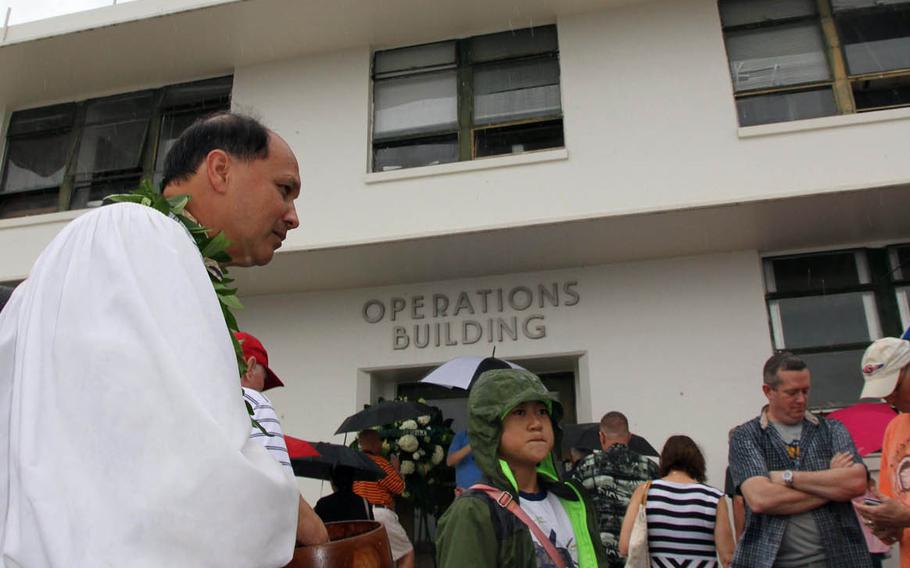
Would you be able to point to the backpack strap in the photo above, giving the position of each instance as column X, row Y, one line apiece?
column 505, row 500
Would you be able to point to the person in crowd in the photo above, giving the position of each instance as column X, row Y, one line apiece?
column 381, row 495
column 738, row 504
column 117, row 356
column 611, row 476
column 460, row 457
column 513, row 424
column 797, row 473
column 886, row 370
column 878, row 550
column 343, row 504
column 688, row 521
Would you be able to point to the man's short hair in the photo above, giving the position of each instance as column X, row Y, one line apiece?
column 241, row 136
column 782, row 361
column 614, row 424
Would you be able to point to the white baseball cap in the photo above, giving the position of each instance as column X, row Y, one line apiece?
column 882, row 364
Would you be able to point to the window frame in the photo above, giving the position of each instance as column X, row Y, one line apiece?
column 841, row 82
column 466, row 130
column 73, row 182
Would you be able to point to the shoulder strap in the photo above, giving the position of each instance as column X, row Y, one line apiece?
column 644, row 498
column 504, row 499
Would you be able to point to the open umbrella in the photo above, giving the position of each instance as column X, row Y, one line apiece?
column 381, row 413
column 298, row 448
column 586, row 436
column 866, row 423
column 333, row 457
column 461, row 372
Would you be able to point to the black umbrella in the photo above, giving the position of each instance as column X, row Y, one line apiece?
column 383, row 413
column 585, row 436
column 461, row 372
column 335, row 457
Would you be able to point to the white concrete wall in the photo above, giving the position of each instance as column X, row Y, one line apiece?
column 676, row 344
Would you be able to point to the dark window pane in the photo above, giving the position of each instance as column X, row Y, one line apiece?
column 511, row 44
column 111, row 147
column 93, row 195
column 414, row 105
column 415, row 153
column 29, row 203
column 817, row 321
column 741, row 12
column 836, row 378
column 412, row 59
column 58, row 117
column 33, row 163
column 815, row 273
column 783, row 107
column 882, row 93
column 841, row 5
column 172, row 126
column 215, row 92
column 515, row 90
column 115, row 109
column 778, row 56
column 519, row 138
column 900, row 262
column 876, row 41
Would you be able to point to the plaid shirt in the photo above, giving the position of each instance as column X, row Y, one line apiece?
column 756, row 450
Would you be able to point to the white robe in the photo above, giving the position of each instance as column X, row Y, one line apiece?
column 124, row 439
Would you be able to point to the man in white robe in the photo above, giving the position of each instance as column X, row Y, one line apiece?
column 124, row 440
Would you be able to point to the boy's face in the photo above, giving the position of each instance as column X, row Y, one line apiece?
column 527, row 434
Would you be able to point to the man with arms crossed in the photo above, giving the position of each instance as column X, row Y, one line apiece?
column 797, row 473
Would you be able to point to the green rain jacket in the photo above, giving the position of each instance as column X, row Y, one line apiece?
column 475, row 532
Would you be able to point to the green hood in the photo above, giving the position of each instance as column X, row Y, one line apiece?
column 493, row 395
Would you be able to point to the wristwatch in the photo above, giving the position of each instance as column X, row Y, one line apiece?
column 788, row 477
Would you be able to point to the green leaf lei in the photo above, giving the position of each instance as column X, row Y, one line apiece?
column 214, row 255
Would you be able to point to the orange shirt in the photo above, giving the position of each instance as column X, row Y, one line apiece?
column 381, row 492
column 894, row 477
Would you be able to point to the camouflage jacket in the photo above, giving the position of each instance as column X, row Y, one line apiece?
column 610, row 477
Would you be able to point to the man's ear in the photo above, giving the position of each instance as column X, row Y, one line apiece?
column 765, row 388
column 217, row 166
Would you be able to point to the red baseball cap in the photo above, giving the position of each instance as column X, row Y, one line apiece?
column 252, row 347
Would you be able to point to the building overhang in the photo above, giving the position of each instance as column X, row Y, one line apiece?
column 844, row 219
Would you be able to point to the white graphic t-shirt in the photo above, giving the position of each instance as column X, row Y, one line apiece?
column 546, row 510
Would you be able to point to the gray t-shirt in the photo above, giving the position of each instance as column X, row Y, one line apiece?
column 802, row 542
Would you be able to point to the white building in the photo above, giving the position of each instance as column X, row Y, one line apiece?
column 631, row 235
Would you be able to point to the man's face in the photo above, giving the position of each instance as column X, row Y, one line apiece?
column 900, row 397
column 527, row 434
column 788, row 401
column 262, row 194
column 254, row 378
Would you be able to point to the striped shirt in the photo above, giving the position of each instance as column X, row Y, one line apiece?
column 265, row 415
column 381, row 492
column 681, row 520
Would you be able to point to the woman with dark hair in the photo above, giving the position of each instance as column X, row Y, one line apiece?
column 688, row 522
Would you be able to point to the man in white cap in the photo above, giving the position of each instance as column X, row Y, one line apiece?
column 886, row 368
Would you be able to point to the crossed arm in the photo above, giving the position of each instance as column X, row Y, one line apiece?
column 810, row 490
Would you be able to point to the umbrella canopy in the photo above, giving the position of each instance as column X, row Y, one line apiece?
column 384, row 412
column 586, row 436
column 335, row 457
column 866, row 423
column 461, row 372
column 298, row 448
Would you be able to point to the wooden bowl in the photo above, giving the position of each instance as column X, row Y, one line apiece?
column 352, row 544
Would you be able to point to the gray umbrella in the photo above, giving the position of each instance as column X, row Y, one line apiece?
column 383, row 413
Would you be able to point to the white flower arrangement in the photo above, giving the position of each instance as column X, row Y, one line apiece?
column 438, row 455
column 407, row 467
column 408, row 443
column 423, row 420
column 409, row 425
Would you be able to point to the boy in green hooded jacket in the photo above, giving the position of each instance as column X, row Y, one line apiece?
column 513, row 425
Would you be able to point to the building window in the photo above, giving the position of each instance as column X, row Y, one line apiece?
column 71, row 156
column 827, row 308
column 465, row 99
column 797, row 59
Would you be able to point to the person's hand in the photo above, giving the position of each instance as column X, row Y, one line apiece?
column 841, row 459
column 396, row 463
column 889, row 517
